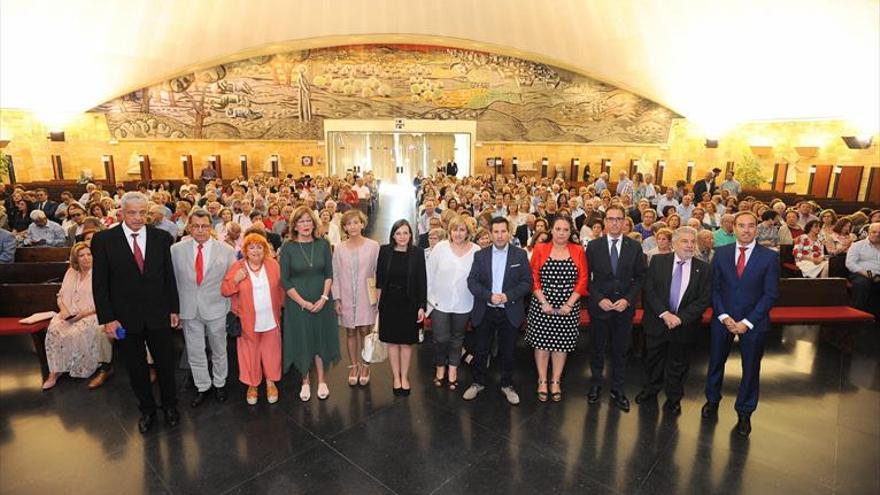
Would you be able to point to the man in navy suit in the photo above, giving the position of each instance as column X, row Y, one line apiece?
column 500, row 279
column 617, row 270
column 744, row 287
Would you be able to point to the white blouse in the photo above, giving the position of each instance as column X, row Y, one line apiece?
column 265, row 317
column 447, row 279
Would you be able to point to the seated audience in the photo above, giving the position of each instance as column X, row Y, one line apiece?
column 809, row 253
column 44, row 232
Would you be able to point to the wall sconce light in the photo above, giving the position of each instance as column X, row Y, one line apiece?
column 855, row 143
column 661, row 163
column 711, row 143
column 545, row 161
column 515, row 161
column 837, row 169
column 806, row 151
column 812, row 169
column 691, row 164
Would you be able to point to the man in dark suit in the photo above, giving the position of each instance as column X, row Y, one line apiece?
column 745, row 286
column 451, row 168
column 134, row 287
column 500, row 279
column 617, row 267
column 43, row 204
column 678, row 289
column 525, row 231
column 705, row 185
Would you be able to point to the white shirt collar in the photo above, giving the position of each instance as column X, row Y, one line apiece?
column 677, row 259
column 748, row 247
column 128, row 231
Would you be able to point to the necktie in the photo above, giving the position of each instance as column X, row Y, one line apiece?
column 675, row 288
column 741, row 262
column 614, row 255
column 200, row 275
column 138, row 254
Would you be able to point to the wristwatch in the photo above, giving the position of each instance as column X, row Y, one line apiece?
column 325, row 297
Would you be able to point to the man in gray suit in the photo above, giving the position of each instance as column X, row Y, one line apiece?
column 200, row 263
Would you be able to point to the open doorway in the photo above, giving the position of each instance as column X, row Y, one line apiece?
column 396, row 150
column 397, row 157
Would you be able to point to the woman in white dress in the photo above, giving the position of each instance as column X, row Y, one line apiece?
column 809, row 252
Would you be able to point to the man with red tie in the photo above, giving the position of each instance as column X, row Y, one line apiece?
column 745, row 286
column 200, row 263
column 134, row 288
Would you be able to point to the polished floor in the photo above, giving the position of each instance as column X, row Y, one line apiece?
column 817, row 430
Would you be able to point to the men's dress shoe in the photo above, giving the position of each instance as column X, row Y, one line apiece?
column 673, row 406
column 200, row 397
column 100, row 378
column 744, row 425
column 593, row 394
column 220, row 394
column 172, row 416
column 645, row 396
column 619, row 399
column 146, row 422
column 710, row 409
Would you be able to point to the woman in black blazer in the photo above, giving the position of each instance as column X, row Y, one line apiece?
column 402, row 285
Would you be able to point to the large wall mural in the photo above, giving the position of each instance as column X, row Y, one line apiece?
column 288, row 95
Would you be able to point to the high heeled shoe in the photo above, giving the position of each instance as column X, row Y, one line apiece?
column 542, row 396
column 364, row 377
column 352, row 375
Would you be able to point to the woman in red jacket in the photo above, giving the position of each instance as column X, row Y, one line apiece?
column 559, row 271
column 254, row 284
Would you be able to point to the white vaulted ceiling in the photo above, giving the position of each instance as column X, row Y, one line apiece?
column 716, row 62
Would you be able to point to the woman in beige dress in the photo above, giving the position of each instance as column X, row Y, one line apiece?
column 75, row 343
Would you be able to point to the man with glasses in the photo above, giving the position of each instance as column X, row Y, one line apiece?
column 200, row 263
column 617, row 267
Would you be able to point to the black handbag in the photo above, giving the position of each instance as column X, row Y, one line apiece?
column 233, row 325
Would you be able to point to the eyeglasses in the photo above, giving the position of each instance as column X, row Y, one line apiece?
column 196, row 226
column 614, row 219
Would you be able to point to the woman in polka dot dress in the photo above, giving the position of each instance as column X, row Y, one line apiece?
column 559, row 270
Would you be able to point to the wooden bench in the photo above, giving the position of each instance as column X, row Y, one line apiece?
column 19, row 301
column 33, row 273
column 802, row 301
column 41, row 254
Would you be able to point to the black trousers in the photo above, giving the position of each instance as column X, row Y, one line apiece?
column 616, row 331
column 134, row 355
column 666, row 366
column 863, row 293
column 495, row 319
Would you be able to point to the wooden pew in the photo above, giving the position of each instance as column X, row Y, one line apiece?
column 33, row 273
column 42, row 254
column 802, row 301
column 19, row 301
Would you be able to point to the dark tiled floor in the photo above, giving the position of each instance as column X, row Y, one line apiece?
column 817, row 430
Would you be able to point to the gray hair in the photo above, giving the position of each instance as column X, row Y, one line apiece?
column 132, row 197
column 37, row 214
column 683, row 230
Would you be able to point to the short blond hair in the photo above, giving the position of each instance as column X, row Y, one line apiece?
column 74, row 254
column 458, row 221
column 351, row 214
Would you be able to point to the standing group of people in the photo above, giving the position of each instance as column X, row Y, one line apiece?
column 501, row 256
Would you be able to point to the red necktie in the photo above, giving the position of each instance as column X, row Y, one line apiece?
column 741, row 262
column 138, row 254
column 200, row 275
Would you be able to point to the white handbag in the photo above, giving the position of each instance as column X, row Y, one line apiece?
column 375, row 350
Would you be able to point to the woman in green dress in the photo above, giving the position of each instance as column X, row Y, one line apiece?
column 310, row 325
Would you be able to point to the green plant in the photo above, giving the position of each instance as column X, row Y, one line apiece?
column 749, row 174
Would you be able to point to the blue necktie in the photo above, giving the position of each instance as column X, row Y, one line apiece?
column 614, row 255
column 675, row 289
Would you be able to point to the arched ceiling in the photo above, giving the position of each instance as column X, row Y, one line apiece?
column 715, row 62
